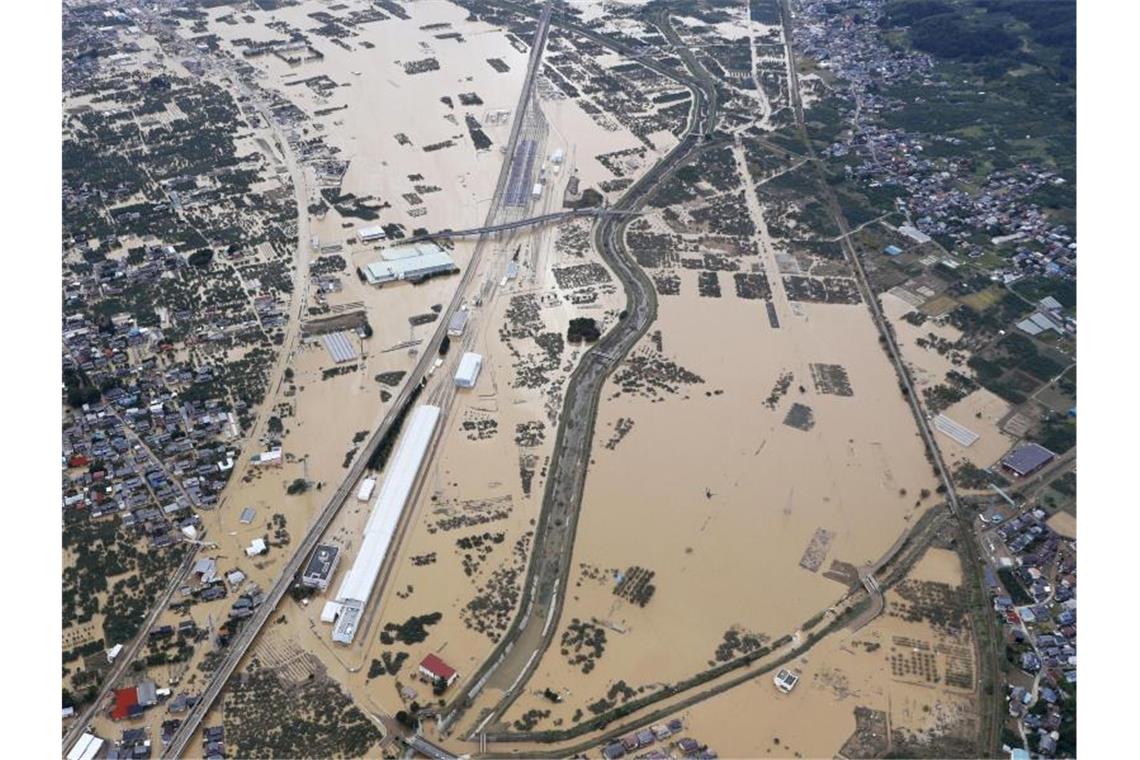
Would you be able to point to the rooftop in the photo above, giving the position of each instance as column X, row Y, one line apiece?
column 1025, row 459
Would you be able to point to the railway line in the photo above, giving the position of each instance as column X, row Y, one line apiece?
column 530, row 633
column 244, row 639
column 986, row 627
column 534, row 221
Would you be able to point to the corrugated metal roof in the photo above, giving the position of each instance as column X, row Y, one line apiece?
column 339, row 347
column 959, row 433
column 1029, row 327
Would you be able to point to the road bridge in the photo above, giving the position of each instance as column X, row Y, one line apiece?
column 244, row 639
column 534, row 221
column 557, row 523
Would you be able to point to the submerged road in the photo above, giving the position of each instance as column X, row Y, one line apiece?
column 244, row 639
column 519, row 651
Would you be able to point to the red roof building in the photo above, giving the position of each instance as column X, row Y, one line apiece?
column 125, row 699
column 434, row 668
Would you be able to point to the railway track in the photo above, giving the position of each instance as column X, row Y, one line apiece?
column 549, row 565
column 534, row 221
column 241, row 643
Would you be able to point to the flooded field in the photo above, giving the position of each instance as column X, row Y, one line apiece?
column 903, row 684
column 926, row 349
column 720, row 506
column 454, row 581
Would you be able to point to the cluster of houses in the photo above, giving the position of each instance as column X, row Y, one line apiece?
column 131, row 702
column 107, row 472
column 139, row 430
column 1035, row 596
column 658, row 737
column 1000, row 209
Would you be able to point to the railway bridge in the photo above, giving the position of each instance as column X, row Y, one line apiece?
column 534, row 221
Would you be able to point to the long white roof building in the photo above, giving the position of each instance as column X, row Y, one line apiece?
column 403, row 469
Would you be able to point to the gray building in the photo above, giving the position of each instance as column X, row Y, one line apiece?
column 321, row 567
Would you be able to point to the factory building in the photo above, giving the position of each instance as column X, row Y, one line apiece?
column 403, row 470
column 1026, row 460
column 468, row 372
column 321, row 567
column 414, row 263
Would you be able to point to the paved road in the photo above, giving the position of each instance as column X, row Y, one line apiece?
column 532, row 629
column 241, row 643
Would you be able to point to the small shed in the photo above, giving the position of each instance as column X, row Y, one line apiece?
column 365, row 490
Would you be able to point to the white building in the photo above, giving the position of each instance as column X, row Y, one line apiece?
column 267, row 459
column 321, row 567
column 329, row 612
column 914, row 233
column 368, row 234
column 364, row 493
column 468, row 372
column 409, row 263
column 86, row 748
column 786, row 680
column 403, row 470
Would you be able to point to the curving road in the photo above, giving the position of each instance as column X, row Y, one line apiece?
column 531, row 632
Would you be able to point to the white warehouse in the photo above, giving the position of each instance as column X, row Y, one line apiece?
column 368, row 234
column 403, row 469
column 414, row 263
column 468, row 371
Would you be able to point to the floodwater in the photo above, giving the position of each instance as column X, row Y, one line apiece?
column 727, row 497
column 474, row 477
column 845, row 671
column 980, row 412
